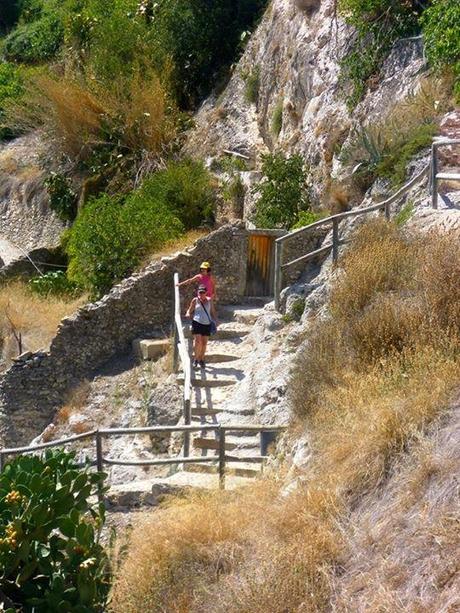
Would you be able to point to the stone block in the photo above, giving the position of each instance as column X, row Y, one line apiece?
column 151, row 349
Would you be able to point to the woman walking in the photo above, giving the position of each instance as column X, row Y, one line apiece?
column 202, row 313
column 204, row 277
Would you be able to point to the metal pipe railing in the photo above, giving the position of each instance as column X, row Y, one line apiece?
column 434, row 166
column 98, row 435
column 384, row 206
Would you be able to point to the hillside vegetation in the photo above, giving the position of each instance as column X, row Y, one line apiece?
column 370, row 388
column 112, row 85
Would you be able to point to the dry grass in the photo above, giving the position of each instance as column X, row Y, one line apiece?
column 33, row 317
column 366, row 401
column 80, row 116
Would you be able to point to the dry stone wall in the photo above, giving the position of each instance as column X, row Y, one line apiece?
column 32, row 389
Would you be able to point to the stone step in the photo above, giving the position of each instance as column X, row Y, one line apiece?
column 150, row 349
column 236, row 469
column 213, row 376
column 211, row 443
column 219, row 358
column 211, row 382
column 242, row 313
column 204, row 412
column 226, row 331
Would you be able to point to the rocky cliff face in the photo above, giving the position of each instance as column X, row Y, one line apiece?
column 26, row 220
column 294, row 56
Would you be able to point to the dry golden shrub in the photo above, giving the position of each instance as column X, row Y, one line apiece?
column 82, row 115
column 182, row 547
column 33, row 317
column 265, row 550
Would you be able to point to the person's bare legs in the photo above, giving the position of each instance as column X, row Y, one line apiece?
column 204, row 344
column 197, row 347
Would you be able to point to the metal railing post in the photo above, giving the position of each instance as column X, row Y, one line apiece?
column 222, row 458
column 335, row 240
column 1, row 461
column 99, row 462
column 278, row 272
column 387, row 211
column 187, row 422
column 434, row 172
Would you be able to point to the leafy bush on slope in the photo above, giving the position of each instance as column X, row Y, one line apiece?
column 441, row 31
column 282, row 192
column 111, row 235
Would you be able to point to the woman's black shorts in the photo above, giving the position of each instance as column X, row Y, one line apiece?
column 202, row 329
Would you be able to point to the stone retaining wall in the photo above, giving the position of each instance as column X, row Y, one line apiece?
column 34, row 387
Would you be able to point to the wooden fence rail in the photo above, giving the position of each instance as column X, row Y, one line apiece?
column 100, row 460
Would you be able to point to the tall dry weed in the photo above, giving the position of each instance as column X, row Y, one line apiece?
column 83, row 115
column 34, row 318
column 271, row 551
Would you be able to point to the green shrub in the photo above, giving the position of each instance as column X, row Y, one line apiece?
column 305, row 218
column 189, row 42
column 277, row 119
column 404, row 214
column 11, row 88
column 393, row 165
column 185, row 188
column 202, row 39
column 35, row 42
column 441, row 32
column 378, row 24
column 50, row 557
column 109, row 237
column 63, row 199
column 252, row 84
column 53, row 283
column 282, row 192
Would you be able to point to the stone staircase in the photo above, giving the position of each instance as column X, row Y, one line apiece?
column 213, row 390
column 214, row 386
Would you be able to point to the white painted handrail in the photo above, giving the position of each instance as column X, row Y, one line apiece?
column 181, row 351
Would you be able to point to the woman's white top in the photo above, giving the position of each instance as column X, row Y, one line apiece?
column 200, row 315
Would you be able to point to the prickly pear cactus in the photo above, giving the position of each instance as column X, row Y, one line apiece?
column 50, row 557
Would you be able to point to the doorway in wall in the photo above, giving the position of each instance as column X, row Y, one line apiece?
column 260, row 267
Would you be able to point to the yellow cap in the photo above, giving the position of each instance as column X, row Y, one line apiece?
column 205, row 265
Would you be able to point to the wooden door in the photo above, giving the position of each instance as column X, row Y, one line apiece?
column 260, row 268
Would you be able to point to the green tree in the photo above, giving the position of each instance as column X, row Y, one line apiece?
column 282, row 192
column 110, row 236
column 441, row 30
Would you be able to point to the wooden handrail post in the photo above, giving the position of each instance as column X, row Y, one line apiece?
column 434, row 172
column 99, row 462
column 222, row 458
column 278, row 272
column 335, row 240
